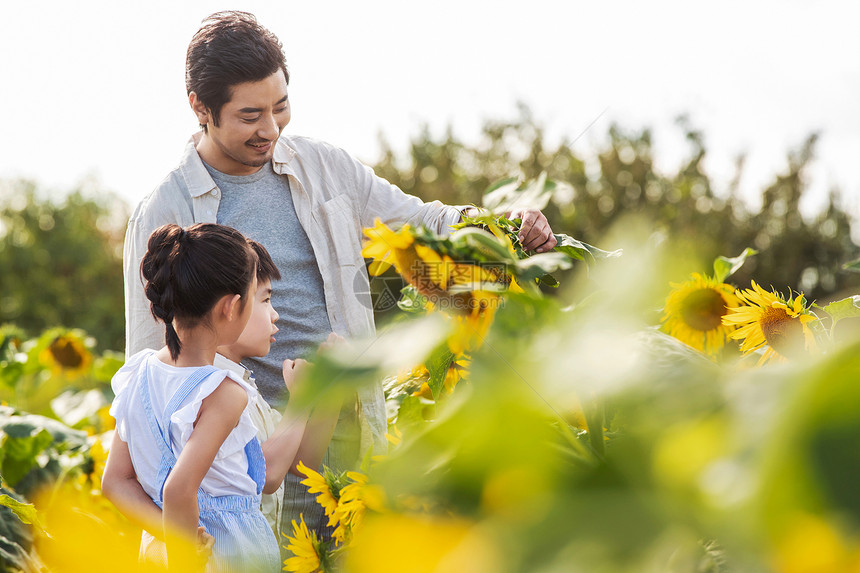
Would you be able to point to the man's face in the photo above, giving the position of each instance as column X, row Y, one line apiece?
column 260, row 330
column 248, row 128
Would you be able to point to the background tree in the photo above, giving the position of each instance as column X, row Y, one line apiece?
column 61, row 263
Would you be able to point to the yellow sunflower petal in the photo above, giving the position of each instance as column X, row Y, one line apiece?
column 766, row 319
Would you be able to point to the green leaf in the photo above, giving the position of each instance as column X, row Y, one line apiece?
column 581, row 251
column 437, row 366
column 507, row 181
column 845, row 308
column 512, row 195
column 481, row 244
column 77, row 409
column 853, row 266
column 16, row 538
column 366, row 460
column 725, row 267
column 549, row 280
column 27, row 437
column 411, row 301
column 22, row 424
column 11, row 338
column 26, row 512
column 21, row 451
column 411, row 413
column 106, row 366
column 539, row 265
column 348, row 366
column 11, row 373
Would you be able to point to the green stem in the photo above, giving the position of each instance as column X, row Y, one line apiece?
column 571, row 438
column 594, row 417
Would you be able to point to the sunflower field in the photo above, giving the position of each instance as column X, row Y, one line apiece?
column 590, row 409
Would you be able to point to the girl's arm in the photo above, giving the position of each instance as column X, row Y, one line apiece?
column 120, row 486
column 320, row 426
column 219, row 413
column 281, row 446
column 316, row 438
column 299, row 436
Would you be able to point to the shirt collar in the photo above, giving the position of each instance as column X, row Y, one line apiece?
column 282, row 157
column 200, row 182
column 283, row 152
column 222, row 361
column 197, row 178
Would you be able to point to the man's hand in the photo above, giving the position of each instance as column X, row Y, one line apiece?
column 535, row 233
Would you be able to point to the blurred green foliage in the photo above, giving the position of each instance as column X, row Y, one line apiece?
column 61, row 262
column 805, row 254
column 702, row 465
column 54, row 423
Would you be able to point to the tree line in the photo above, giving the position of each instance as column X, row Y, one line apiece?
column 61, row 261
column 793, row 252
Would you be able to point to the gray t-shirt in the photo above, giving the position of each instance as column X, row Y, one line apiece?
column 261, row 207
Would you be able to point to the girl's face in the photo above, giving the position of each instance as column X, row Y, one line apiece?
column 260, row 331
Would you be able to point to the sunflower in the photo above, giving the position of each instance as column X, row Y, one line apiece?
column 305, row 548
column 472, row 328
column 67, row 353
column 355, row 499
column 383, row 245
column 472, row 276
column 456, row 372
column 350, row 508
column 433, row 267
column 394, row 435
column 98, row 455
column 320, row 485
column 694, row 313
column 768, row 319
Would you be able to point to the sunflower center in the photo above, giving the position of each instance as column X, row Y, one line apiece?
column 783, row 332
column 65, row 353
column 703, row 309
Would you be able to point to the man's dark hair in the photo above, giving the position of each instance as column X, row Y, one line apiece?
column 230, row 48
column 266, row 269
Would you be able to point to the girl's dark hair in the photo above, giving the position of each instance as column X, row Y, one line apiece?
column 230, row 48
column 188, row 270
column 266, row 269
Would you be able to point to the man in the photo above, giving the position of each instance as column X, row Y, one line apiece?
column 304, row 200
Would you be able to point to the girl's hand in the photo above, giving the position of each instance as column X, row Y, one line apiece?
column 292, row 371
column 331, row 341
column 204, row 544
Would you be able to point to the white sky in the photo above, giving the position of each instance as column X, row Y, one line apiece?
column 97, row 87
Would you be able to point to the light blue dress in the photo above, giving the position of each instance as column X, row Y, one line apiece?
column 244, row 542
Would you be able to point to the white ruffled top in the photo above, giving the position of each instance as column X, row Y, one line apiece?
column 228, row 474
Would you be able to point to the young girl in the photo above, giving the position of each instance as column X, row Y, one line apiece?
column 184, row 424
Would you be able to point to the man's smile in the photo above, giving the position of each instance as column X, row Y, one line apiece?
column 261, row 146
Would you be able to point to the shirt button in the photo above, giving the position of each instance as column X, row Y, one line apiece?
column 216, row 192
